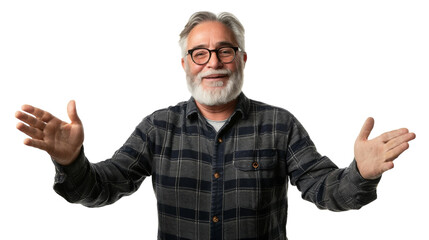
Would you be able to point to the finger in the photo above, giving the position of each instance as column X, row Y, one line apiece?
column 35, row 143
column 387, row 166
column 30, row 120
column 385, row 137
column 392, row 143
column 72, row 112
column 38, row 113
column 394, row 153
column 30, row 131
column 366, row 129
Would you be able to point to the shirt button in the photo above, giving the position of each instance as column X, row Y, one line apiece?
column 255, row 165
column 220, row 140
column 215, row 219
column 216, row 175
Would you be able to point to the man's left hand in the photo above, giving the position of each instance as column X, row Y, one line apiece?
column 375, row 156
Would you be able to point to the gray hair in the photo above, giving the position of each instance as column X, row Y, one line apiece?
column 226, row 18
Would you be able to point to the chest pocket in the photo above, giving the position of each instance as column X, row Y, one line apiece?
column 256, row 160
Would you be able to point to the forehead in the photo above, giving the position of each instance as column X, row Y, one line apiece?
column 210, row 34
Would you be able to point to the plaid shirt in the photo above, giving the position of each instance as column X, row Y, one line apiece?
column 230, row 184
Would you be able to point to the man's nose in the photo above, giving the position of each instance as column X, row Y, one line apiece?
column 214, row 62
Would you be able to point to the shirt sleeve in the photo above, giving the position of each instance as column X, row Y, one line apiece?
column 321, row 181
column 103, row 183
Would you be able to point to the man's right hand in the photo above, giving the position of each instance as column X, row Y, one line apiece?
column 63, row 141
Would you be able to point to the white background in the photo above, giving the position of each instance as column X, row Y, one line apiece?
column 331, row 63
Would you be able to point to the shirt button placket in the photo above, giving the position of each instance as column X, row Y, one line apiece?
column 217, row 188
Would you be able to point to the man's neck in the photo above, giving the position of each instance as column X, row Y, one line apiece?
column 218, row 112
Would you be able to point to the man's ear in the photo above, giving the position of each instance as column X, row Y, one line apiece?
column 183, row 64
column 244, row 57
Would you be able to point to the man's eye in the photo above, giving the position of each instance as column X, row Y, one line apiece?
column 200, row 54
column 226, row 51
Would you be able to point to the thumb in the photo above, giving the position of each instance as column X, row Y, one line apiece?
column 72, row 112
column 366, row 129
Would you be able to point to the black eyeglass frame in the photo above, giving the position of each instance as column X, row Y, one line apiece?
column 190, row 51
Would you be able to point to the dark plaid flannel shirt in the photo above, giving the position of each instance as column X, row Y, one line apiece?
column 230, row 184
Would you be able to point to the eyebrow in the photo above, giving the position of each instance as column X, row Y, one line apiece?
column 218, row 45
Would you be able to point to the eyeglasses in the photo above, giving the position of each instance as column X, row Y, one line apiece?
column 202, row 56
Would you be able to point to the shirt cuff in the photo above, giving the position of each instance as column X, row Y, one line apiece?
column 358, row 180
column 359, row 191
column 75, row 168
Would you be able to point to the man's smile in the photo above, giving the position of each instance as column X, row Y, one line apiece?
column 216, row 76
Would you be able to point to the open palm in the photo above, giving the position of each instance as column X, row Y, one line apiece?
column 59, row 139
column 375, row 156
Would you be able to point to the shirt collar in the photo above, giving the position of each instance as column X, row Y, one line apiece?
column 243, row 106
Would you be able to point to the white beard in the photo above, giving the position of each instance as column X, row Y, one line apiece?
column 216, row 96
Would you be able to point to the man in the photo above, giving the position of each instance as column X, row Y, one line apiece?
column 220, row 162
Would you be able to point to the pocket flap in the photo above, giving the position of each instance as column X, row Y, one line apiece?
column 256, row 160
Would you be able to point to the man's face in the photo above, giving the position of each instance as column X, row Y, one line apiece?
column 213, row 83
